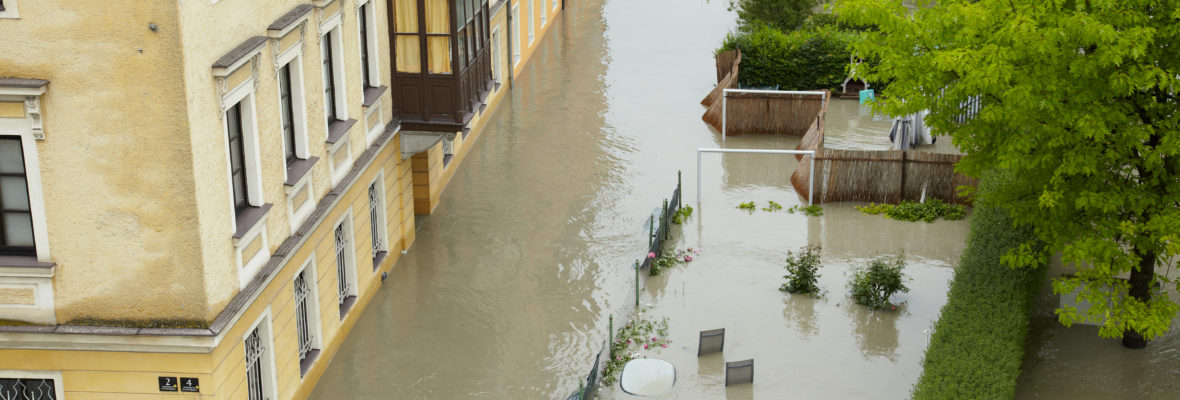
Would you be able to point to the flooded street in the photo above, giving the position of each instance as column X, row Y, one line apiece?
column 507, row 290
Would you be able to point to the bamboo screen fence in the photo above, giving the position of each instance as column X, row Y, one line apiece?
column 885, row 176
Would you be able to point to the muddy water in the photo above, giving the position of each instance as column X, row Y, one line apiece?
column 506, row 292
column 1073, row 363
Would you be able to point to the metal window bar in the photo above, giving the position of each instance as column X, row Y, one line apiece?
column 302, row 293
column 27, row 389
column 374, row 218
column 254, row 350
column 342, row 265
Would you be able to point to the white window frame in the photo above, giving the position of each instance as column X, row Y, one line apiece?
column 265, row 328
column 27, row 128
column 346, row 221
column 497, row 69
column 311, row 277
column 556, row 4
column 516, row 36
column 371, row 43
column 244, row 95
column 293, row 58
column 10, row 10
column 544, row 14
column 58, row 390
column 332, row 25
column 531, row 10
column 383, row 224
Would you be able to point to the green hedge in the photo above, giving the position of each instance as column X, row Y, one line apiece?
column 978, row 343
column 815, row 58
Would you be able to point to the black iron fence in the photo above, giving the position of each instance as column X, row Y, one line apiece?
column 659, row 230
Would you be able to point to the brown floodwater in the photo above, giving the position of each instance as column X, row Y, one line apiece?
column 1075, row 363
column 507, row 291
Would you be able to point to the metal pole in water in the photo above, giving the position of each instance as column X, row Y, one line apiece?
column 699, row 177
column 724, row 97
column 811, row 181
column 637, row 285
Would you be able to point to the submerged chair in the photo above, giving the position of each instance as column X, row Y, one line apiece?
column 739, row 372
column 712, row 341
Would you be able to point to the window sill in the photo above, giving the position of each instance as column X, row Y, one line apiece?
column 249, row 218
column 372, row 94
column 306, row 362
column 346, row 306
column 25, row 266
column 380, row 258
column 298, row 170
column 338, row 129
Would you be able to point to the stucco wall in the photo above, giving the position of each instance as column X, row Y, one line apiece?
column 115, row 161
column 210, row 31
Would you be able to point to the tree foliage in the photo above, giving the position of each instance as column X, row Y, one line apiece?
column 784, row 15
column 1079, row 109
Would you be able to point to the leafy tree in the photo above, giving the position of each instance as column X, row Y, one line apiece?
column 1078, row 109
column 803, row 271
column 873, row 284
column 784, row 15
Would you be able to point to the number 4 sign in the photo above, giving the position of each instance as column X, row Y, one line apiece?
column 190, row 385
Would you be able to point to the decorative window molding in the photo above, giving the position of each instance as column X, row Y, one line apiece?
column 329, row 13
column 226, row 69
column 301, row 198
column 26, row 291
column 29, row 129
column 251, row 249
column 29, row 91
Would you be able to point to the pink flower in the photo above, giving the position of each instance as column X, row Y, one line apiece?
column 687, row 258
column 653, row 339
column 628, row 340
column 651, row 255
column 645, row 346
column 690, row 249
column 663, row 345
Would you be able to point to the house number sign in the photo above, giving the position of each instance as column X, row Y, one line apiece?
column 167, row 384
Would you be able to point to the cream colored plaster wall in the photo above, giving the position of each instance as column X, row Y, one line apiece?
column 115, row 162
column 211, row 30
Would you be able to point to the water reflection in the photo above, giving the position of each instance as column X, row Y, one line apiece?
column 875, row 331
column 799, row 311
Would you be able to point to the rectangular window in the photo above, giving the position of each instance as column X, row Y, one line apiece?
column 237, row 157
column 305, row 318
column 377, row 221
column 364, row 27
column 330, row 109
column 16, row 217
column 544, row 13
column 515, row 34
column 495, row 49
column 345, row 270
column 529, row 20
column 287, row 109
column 255, row 374
column 556, row 3
column 31, row 389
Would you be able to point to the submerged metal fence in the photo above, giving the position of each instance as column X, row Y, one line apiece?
column 659, row 227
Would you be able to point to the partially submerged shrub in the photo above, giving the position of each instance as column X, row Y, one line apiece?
column 802, row 271
column 873, row 284
column 916, row 211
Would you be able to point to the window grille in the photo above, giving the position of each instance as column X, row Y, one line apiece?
column 375, row 219
column 302, row 292
column 342, row 265
column 27, row 389
column 287, row 110
column 254, row 350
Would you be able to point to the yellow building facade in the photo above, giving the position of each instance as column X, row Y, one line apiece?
column 201, row 197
